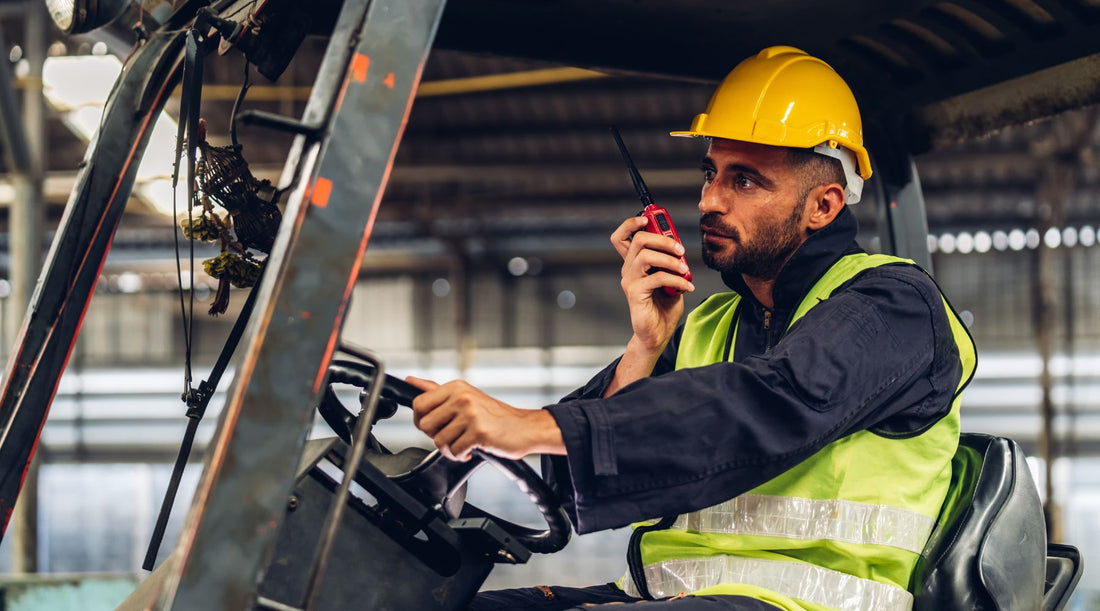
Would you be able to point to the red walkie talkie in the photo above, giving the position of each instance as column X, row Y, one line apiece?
column 657, row 218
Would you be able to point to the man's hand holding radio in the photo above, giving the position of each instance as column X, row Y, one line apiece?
column 651, row 262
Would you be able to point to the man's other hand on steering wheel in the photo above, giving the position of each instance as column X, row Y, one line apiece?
column 461, row 418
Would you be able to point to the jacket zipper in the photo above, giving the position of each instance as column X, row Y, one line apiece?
column 767, row 329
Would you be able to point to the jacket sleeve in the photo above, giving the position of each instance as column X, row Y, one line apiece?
column 555, row 469
column 879, row 354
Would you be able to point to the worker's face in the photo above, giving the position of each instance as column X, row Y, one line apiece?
column 752, row 209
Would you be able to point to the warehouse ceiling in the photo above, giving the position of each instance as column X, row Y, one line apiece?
column 522, row 163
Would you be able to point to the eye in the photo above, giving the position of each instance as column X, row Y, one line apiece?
column 744, row 182
column 708, row 174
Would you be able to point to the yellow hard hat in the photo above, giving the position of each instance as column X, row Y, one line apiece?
column 783, row 96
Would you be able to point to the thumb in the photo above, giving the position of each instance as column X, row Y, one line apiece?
column 421, row 383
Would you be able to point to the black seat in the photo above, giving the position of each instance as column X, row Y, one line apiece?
column 989, row 548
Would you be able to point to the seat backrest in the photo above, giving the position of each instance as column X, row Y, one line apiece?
column 988, row 549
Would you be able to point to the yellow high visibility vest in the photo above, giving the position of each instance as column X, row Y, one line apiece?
column 841, row 530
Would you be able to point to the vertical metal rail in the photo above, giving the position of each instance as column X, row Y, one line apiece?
column 340, row 500
column 907, row 217
column 902, row 216
column 25, row 233
column 17, row 157
column 1057, row 183
column 370, row 72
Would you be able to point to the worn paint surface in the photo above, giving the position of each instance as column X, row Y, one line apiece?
column 65, row 593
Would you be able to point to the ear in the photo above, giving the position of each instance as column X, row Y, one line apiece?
column 823, row 203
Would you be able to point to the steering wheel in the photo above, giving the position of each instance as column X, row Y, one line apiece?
column 431, row 477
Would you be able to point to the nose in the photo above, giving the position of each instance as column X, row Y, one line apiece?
column 709, row 201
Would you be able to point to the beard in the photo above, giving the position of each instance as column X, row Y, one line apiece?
column 761, row 256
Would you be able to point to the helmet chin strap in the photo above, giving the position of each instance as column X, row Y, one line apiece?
column 854, row 189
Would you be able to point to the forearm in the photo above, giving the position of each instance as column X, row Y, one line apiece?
column 636, row 363
column 544, row 435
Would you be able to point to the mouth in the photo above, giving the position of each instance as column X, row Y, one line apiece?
column 716, row 243
column 712, row 234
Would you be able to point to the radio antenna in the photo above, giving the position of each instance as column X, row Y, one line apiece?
column 639, row 184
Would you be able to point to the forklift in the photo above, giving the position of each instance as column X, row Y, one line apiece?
column 283, row 522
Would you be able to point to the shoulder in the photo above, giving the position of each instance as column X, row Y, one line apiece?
column 901, row 299
column 918, row 314
column 895, row 285
column 912, row 316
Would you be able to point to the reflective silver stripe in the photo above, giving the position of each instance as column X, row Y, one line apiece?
column 798, row 580
column 810, row 519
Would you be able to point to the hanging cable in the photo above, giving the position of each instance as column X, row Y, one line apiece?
column 196, row 401
column 237, row 103
column 187, row 132
column 208, row 172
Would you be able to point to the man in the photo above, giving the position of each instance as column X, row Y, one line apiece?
column 789, row 445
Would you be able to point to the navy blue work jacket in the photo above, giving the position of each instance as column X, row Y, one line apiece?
column 679, row 441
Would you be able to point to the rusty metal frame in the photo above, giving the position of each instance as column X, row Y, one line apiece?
column 349, row 136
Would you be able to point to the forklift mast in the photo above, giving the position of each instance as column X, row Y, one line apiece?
column 336, row 173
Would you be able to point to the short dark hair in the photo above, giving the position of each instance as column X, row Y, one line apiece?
column 814, row 169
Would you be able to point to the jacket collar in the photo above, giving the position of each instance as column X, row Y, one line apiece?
column 816, row 255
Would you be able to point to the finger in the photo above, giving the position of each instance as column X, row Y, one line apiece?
column 659, row 280
column 644, row 270
column 649, row 260
column 435, row 420
column 649, row 245
column 421, row 383
column 427, row 401
column 446, row 437
column 624, row 233
column 636, row 248
column 655, row 241
column 446, row 453
column 677, row 282
column 462, row 448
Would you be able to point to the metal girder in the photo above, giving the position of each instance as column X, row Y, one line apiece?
column 350, row 131
column 1038, row 95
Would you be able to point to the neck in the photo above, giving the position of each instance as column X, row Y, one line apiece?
column 761, row 289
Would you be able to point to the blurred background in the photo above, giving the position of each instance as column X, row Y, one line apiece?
column 489, row 261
